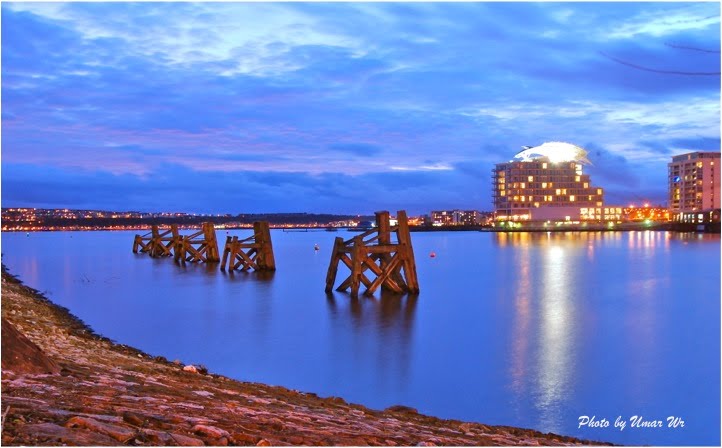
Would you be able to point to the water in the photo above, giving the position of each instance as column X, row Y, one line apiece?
column 529, row 330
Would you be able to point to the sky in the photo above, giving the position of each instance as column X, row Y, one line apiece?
column 344, row 107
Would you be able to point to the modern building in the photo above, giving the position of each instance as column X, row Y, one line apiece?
column 694, row 186
column 457, row 218
column 547, row 182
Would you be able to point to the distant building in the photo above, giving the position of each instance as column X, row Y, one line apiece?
column 457, row 218
column 546, row 182
column 646, row 213
column 694, row 186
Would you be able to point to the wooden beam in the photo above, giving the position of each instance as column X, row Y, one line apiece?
column 385, row 275
column 404, row 237
column 357, row 256
column 333, row 265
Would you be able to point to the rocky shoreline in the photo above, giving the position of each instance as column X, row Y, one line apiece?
column 64, row 385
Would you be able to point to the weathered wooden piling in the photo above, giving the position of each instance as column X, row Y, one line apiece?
column 201, row 246
column 254, row 252
column 156, row 243
column 361, row 255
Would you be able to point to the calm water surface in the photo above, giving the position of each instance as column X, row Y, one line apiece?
column 530, row 330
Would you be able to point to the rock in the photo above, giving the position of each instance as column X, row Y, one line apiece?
column 182, row 440
column 203, row 393
column 21, row 355
column 119, row 433
column 465, row 427
column 210, row 431
column 44, row 433
column 166, row 438
column 132, row 418
column 401, row 409
column 263, row 442
column 239, row 438
column 426, row 443
column 177, row 362
column 190, row 368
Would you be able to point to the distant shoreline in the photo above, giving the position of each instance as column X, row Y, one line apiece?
column 623, row 227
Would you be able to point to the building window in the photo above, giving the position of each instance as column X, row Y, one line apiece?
column 531, row 178
column 572, row 198
column 544, row 165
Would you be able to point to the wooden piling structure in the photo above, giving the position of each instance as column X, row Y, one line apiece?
column 201, row 246
column 378, row 255
column 156, row 243
column 254, row 252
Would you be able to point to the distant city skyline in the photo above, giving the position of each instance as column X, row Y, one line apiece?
column 344, row 108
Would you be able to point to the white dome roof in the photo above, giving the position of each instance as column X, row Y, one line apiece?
column 555, row 152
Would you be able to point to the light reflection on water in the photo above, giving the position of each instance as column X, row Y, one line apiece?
column 524, row 329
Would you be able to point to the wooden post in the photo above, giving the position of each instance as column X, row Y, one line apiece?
column 333, row 266
column 137, row 242
column 259, row 255
column 357, row 256
column 360, row 255
column 175, row 236
column 154, row 240
column 409, row 262
column 262, row 233
column 179, row 252
column 209, row 232
column 226, row 251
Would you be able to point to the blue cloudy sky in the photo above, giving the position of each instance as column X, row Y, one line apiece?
column 343, row 107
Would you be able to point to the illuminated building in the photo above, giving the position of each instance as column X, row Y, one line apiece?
column 645, row 213
column 546, row 183
column 694, row 186
column 456, row 217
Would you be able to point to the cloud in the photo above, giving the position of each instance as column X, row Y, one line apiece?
column 208, row 191
column 668, row 20
column 358, row 149
column 312, row 98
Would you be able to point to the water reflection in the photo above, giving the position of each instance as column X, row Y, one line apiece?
column 635, row 239
column 544, row 239
column 204, row 268
column 260, row 276
column 555, row 358
column 648, row 241
column 383, row 330
column 543, row 326
column 521, row 322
